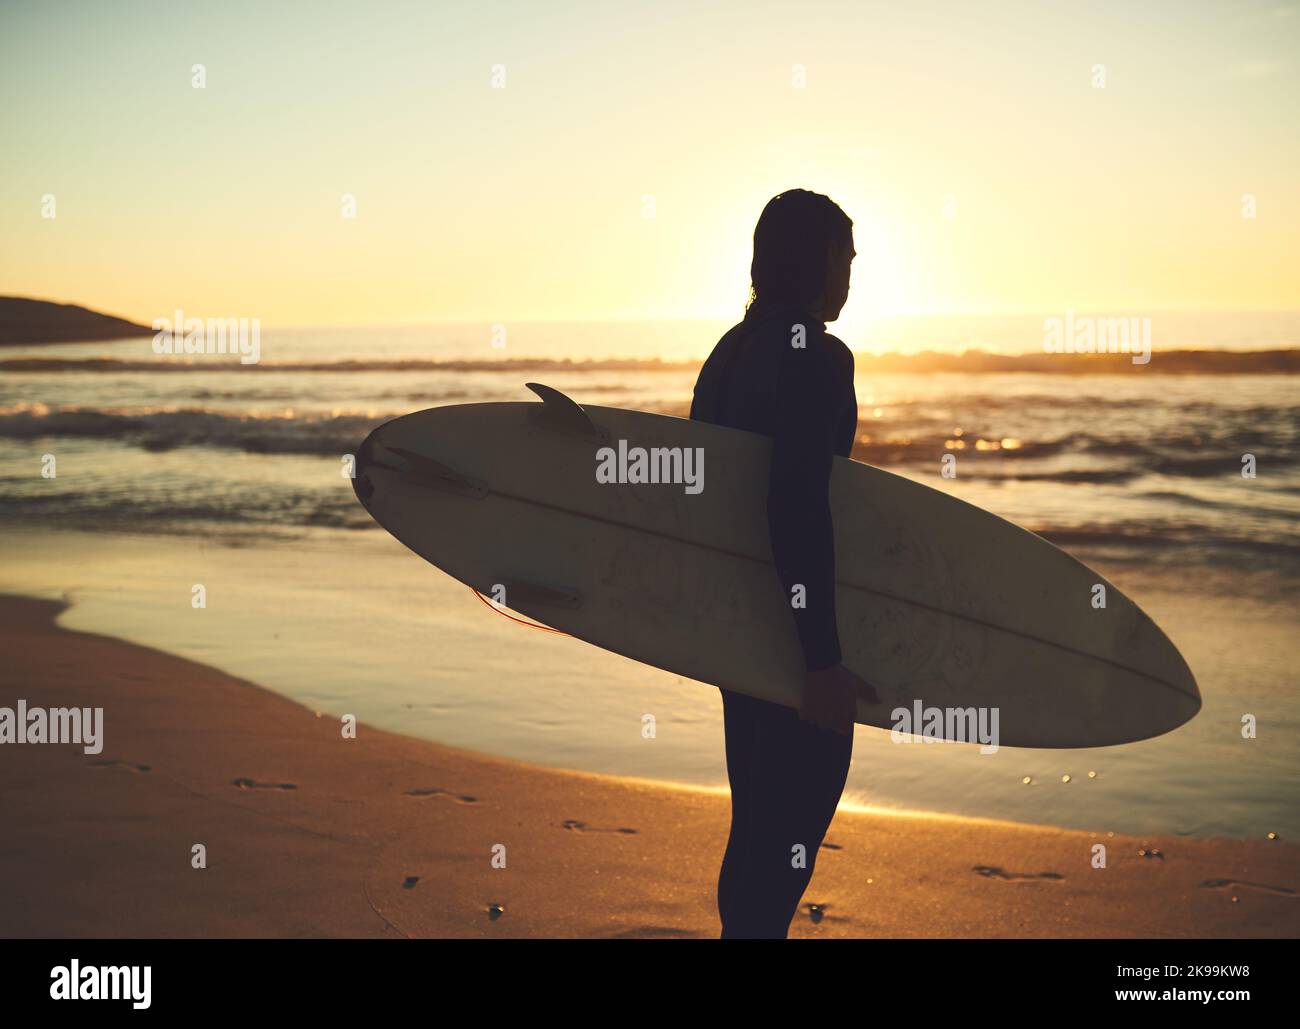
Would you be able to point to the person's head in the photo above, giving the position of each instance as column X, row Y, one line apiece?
column 803, row 245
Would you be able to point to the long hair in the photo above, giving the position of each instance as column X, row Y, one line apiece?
column 794, row 235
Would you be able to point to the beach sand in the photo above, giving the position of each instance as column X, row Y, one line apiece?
column 310, row 834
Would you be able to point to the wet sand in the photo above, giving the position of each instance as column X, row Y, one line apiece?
column 311, row 834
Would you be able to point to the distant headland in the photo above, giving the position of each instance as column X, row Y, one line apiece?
column 23, row 320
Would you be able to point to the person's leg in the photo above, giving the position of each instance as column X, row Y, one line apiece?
column 795, row 775
column 739, row 729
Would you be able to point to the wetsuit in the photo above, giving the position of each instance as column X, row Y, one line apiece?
column 786, row 774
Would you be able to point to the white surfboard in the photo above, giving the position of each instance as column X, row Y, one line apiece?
column 939, row 602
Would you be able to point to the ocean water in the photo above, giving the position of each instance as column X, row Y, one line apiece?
column 172, row 472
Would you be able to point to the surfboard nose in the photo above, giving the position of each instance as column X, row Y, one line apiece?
column 1147, row 650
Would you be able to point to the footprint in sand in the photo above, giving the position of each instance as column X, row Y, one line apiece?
column 1230, row 884
column 438, row 791
column 990, row 872
column 253, row 784
column 819, row 914
column 573, row 825
column 130, row 766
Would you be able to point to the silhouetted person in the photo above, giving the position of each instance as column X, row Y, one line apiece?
column 779, row 373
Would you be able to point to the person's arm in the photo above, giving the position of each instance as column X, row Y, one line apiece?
column 803, row 532
column 798, row 504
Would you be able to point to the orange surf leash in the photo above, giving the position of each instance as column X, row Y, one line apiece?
column 521, row 621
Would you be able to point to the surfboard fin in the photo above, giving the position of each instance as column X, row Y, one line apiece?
column 562, row 414
column 425, row 471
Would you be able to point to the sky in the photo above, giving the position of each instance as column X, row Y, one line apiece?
column 998, row 158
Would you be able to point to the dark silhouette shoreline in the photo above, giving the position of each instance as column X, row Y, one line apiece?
column 24, row 321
